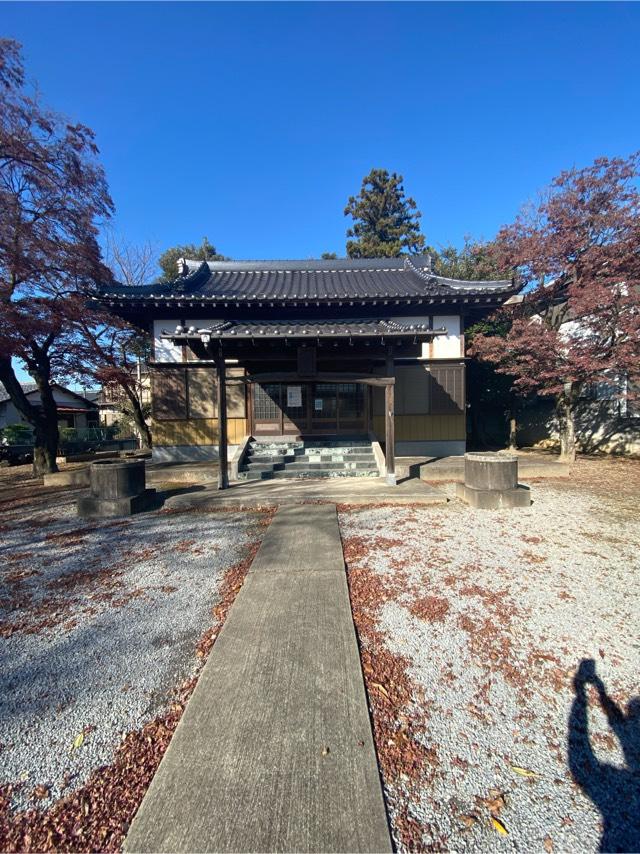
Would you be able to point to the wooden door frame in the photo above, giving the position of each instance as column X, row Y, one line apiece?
column 309, row 382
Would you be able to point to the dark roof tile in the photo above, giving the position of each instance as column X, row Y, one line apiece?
column 314, row 329
column 343, row 279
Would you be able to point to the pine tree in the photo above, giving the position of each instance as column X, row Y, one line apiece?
column 385, row 221
column 168, row 261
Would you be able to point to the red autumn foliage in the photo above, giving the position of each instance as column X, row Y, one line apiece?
column 53, row 197
column 578, row 252
column 53, row 194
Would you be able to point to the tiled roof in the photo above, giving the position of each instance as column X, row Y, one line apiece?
column 26, row 388
column 29, row 388
column 322, row 281
column 301, row 328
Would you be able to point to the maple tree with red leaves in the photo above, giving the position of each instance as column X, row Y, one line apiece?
column 578, row 252
column 53, row 198
column 110, row 353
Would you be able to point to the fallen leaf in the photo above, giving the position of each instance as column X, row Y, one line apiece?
column 380, row 688
column 523, row 772
column 548, row 844
column 79, row 741
column 469, row 820
column 41, row 792
column 495, row 803
column 499, row 826
column 325, row 751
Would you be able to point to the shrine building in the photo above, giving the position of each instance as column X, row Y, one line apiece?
column 367, row 349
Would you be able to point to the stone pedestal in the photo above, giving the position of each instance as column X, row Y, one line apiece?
column 117, row 489
column 491, row 482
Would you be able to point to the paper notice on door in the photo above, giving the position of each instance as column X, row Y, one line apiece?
column 294, row 396
column 317, row 404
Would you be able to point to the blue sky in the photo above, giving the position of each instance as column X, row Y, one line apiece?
column 252, row 123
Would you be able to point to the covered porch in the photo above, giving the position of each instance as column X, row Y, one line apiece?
column 306, row 379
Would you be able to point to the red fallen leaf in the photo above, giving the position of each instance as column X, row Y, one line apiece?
column 548, row 844
column 601, row 651
column 41, row 792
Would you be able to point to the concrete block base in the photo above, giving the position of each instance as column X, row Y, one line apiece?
column 431, row 448
column 494, row 499
column 188, row 453
column 90, row 507
column 74, row 477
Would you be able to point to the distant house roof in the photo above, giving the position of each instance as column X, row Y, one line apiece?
column 26, row 388
column 31, row 388
column 310, row 281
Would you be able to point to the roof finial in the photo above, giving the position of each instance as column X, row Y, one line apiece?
column 183, row 267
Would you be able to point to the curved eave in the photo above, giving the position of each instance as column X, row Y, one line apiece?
column 460, row 297
column 302, row 336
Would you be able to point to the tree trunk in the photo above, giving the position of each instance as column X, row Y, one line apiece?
column 513, row 429
column 46, row 431
column 45, row 448
column 43, row 419
column 146, row 438
column 566, row 409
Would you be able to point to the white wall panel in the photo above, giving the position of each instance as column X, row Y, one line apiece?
column 447, row 346
column 165, row 351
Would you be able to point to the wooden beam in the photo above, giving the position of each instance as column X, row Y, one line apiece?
column 323, row 376
column 221, row 370
column 389, row 434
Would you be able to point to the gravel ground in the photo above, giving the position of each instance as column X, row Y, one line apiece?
column 501, row 654
column 99, row 623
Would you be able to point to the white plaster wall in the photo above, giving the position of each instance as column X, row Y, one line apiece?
column 165, row 351
column 442, row 347
column 447, row 346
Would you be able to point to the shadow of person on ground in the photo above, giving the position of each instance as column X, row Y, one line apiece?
column 615, row 791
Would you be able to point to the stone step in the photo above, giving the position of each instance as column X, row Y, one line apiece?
column 255, row 475
column 251, row 466
column 275, row 446
column 288, row 474
column 273, row 454
column 317, row 443
column 332, row 448
column 335, row 458
column 313, row 458
column 313, row 466
column 345, row 451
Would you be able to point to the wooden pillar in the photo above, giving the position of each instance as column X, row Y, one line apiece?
column 389, row 433
column 390, row 420
column 223, row 476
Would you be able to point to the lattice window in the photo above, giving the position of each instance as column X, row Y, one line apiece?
column 267, row 401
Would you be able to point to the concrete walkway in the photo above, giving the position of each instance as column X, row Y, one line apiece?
column 336, row 490
column 274, row 751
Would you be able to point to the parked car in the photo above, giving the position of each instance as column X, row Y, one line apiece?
column 15, row 455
